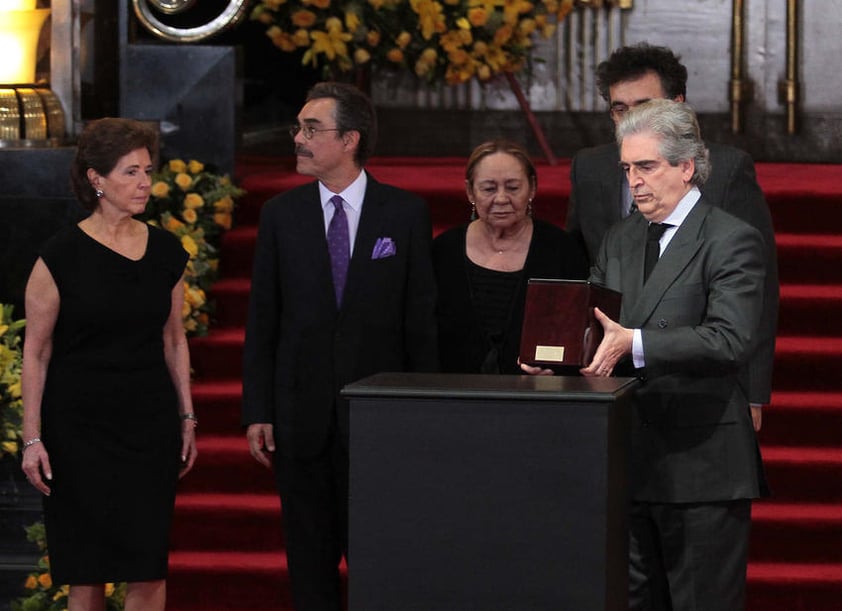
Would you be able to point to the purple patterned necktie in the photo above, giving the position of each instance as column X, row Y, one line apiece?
column 339, row 247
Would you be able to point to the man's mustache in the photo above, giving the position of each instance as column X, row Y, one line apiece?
column 300, row 150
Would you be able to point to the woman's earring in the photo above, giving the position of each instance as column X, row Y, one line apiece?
column 529, row 207
column 99, row 193
column 473, row 211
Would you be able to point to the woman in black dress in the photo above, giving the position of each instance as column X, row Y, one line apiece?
column 482, row 268
column 108, row 422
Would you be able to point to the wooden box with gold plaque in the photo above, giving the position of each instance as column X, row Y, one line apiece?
column 559, row 326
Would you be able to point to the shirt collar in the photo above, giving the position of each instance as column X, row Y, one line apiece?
column 354, row 194
column 685, row 205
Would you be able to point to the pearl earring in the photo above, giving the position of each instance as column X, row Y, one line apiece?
column 99, row 193
column 473, row 211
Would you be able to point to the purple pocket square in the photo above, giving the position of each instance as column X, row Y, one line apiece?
column 384, row 247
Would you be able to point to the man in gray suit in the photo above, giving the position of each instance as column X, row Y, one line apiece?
column 689, row 322
column 600, row 194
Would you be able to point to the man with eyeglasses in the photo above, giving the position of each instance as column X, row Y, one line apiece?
column 600, row 195
column 343, row 288
column 691, row 277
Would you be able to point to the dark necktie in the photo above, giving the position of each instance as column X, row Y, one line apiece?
column 339, row 247
column 653, row 247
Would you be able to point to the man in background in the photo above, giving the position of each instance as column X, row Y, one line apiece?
column 600, row 193
column 342, row 288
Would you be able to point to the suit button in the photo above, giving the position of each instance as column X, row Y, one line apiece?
column 662, row 324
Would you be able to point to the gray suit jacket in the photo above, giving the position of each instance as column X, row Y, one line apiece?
column 699, row 314
column 595, row 202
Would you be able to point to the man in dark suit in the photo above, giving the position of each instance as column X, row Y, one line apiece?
column 690, row 316
column 600, row 194
column 343, row 287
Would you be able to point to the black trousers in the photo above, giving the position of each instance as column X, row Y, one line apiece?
column 688, row 557
column 314, row 510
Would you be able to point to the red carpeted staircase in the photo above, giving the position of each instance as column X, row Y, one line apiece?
column 227, row 542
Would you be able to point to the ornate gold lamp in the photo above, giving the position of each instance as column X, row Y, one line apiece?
column 30, row 114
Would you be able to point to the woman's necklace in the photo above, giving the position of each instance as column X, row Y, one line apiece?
column 511, row 240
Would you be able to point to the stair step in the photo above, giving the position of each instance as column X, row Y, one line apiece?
column 804, row 474
column 225, row 466
column 810, row 418
column 810, row 309
column 244, row 522
column 812, row 361
column 223, row 580
column 237, row 252
column 231, row 296
column 809, row 259
column 217, row 405
column 786, row 586
column 795, row 532
column 219, row 354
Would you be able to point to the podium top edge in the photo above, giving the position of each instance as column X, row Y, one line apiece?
column 478, row 386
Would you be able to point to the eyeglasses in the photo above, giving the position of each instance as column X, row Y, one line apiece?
column 309, row 131
column 618, row 111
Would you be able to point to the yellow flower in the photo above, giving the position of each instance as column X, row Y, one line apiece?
column 303, row 18
column 502, row 35
column 189, row 244
column 195, row 296
column 403, row 39
column 172, row 224
column 265, row 17
column 526, row 26
column 430, row 17
column 10, row 447
column 45, row 580
column 31, row 583
column 484, row 72
column 194, row 167
column 109, row 589
column 395, row 56
column 223, row 219
column 160, row 189
column 183, row 181
column 190, row 325
column 331, row 43
column 281, row 39
column 193, row 200
column 301, row 38
column 177, row 165
column 352, row 21
column 190, row 216
column 372, row 38
column 478, row 16
column 361, row 56
column 224, row 204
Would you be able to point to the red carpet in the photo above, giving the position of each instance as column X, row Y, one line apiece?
column 227, row 543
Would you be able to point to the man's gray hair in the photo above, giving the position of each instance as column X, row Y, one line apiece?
column 675, row 124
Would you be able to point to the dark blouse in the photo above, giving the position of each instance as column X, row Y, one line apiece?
column 480, row 311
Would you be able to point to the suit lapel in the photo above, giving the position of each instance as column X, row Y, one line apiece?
column 311, row 228
column 682, row 248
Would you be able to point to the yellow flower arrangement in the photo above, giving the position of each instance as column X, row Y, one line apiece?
column 43, row 595
column 11, row 405
column 196, row 205
column 450, row 40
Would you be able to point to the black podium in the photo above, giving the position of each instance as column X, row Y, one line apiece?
column 488, row 493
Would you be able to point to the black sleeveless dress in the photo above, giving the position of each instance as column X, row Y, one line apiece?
column 109, row 412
